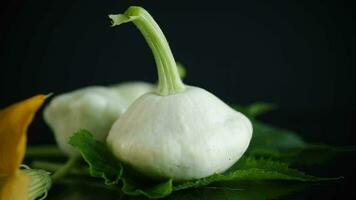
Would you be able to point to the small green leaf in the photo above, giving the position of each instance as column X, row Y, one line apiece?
column 181, row 70
column 101, row 162
column 255, row 109
column 151, row 190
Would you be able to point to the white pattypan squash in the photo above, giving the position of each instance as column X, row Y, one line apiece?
column 178, row 131
column 93, row 108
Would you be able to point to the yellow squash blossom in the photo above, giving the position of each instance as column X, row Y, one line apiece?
column 16, row 184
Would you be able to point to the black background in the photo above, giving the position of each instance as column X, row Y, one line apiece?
column 297, row 54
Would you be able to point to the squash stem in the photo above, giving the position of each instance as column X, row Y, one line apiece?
column 66, row 168
column 169, row 81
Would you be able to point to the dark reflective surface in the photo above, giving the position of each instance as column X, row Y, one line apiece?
column 233, row 191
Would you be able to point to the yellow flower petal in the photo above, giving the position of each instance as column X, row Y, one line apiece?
column 14, row 121
column 15, row 186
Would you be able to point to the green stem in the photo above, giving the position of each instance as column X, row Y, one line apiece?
column 90, row 183
column 52, row 167
column 169, row 81
column 44, row 151
column 66, row 168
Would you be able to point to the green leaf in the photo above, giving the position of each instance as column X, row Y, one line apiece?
column 252, row 169
column 283, row 144
column 150, row 190
column 286, row 145
column 255, row 109
column 270, row 137
column 181, row 70
column 103, row 164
